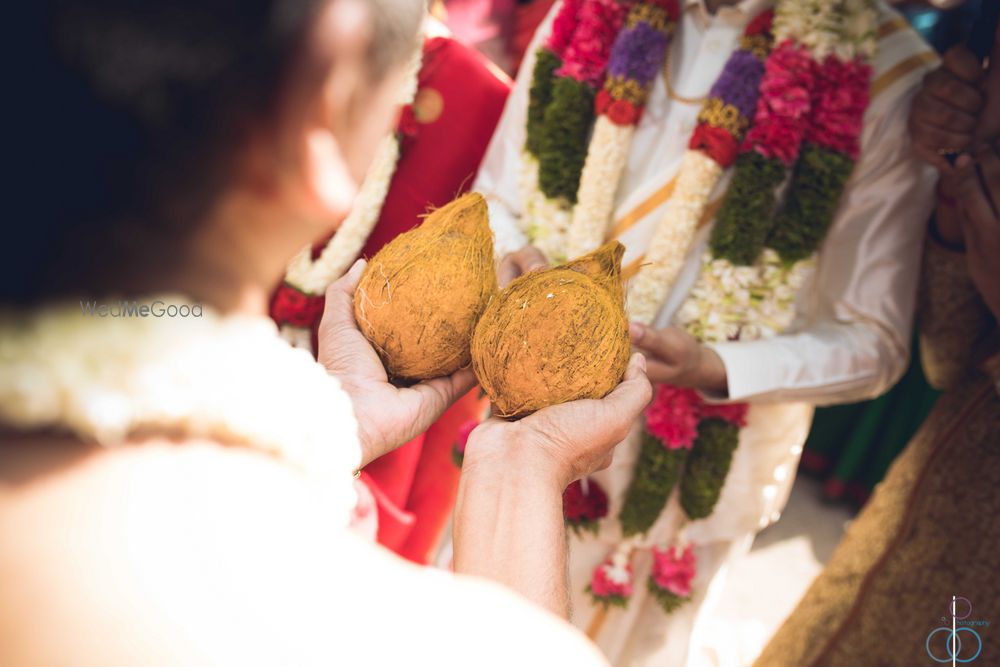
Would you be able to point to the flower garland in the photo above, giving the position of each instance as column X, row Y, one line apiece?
column 636, row 58
column 307, row 278
column 722, row 122
column 567, row 183
column 105, row 379
column 807, row 118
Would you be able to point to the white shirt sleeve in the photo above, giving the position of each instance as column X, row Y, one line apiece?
column 856, row 344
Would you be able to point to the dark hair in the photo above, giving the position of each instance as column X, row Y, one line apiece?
column 135, row 112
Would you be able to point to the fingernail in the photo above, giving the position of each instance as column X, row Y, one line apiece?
column 635, row 332
column 641, row 361
column 357, row 268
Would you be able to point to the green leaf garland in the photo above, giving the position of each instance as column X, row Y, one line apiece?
column 814, row 193
column 707, row 466
column 747, row 212
column 562, row 139
column 539, row 96
column 656, row 475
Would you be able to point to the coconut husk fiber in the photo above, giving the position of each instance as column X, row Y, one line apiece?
column 421, row 295
column 555, row 335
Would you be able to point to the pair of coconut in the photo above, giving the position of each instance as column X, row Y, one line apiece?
column 429, row 304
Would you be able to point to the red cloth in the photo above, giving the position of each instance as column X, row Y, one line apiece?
column 444, row 134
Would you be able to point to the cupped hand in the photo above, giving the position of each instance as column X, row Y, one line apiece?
column 567, row 441
column 528, row 258
column 946, row 111
column 673, row 356
column 388, row 416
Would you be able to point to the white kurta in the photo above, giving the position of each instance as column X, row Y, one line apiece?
column 850, row 341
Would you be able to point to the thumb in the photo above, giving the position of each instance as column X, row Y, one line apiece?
column 339, row 308
column 652, row 340
column 630, row 397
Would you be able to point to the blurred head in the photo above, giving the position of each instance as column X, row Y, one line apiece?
column 149, row 122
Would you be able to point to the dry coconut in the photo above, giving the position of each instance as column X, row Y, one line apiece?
column 555, row 335
column 421, row 295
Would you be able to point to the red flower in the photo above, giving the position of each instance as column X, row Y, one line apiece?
column 581, row 506
column 716, row 142
column 290, row 306
column 839, row 105
column 622, row 112
column 407, row 124
column 602, row 101
column 671, row 7
column 781, row 117
column 673, row 570
column 734, row 413
column 761, row 24
column 673, row 416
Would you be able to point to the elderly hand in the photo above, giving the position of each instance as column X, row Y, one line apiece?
column 567, row 441
column 673, row 356
column 388, row 416
column 528, row 258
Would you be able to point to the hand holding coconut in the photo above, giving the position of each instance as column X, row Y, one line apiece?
column 508, row 521
column 388, row 416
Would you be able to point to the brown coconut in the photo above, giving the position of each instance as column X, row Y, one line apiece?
column 555, row 335
column 421, row 295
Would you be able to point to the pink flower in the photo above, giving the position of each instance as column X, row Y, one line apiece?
column 734, row 413
column 563, row 26
column 839, row 105
column 673, row 571
column 780, row 120
column 611, row 581
column 673, row 416
column 586, row 56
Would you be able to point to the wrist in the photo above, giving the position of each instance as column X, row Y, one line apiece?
column 503, row 453
column 711, row 372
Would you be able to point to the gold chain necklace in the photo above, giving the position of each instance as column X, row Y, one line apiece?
column 670, row 89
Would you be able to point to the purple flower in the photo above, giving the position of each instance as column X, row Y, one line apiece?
column 638, row 53
column 739, row 81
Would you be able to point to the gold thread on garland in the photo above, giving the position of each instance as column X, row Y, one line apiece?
column 717, row 113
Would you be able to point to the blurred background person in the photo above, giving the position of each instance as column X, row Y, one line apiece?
column 924, row 552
